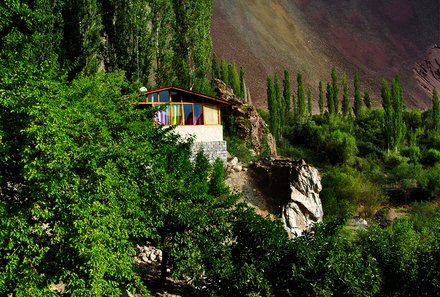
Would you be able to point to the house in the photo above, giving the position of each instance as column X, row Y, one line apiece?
column 194, row 114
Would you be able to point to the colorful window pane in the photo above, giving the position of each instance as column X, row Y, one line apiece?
column 176, row 114
column 198, row 114
column 211, row 115
column 188, row 114
column 162, row 115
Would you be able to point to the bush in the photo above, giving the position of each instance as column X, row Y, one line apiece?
column 431, row 157
column 413, row 153
column 340, row 147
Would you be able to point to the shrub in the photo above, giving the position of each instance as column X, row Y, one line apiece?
column 413, row 153
column 431, row 157
column 340, row 147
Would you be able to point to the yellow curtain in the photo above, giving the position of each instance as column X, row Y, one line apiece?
column 211, row 115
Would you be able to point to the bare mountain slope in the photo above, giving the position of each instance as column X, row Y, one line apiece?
column 378, row 38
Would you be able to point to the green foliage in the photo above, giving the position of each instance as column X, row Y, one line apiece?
column 321, row 99
column 367, row 100
column 234, row 78
column 340, row 147
column 242, row 84
column 346, row 110
column 224, row 71
column 357, row 95
column 287, row 92
column 301, row 100
column 335, row 91
column 431, row 157
column 435, row 110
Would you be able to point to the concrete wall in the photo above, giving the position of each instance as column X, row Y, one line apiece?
column 202, row 133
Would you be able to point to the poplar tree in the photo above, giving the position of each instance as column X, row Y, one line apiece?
column 287, row 91
column 301, row 97
column 335, row 91
column 346, row 112
column 388, row 109
column 321, row 99
column 242, row 84
column 398, row 109
column 214, row 67
column 234, row 79
column 357, row 95
column 367, row 100
column 280, row 110
column 224, row 73
column 329, row 96
column 309, row 102
column 271, row 104
column 435, row 110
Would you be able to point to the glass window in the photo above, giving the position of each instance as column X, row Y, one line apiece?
column 175, row 97
column 152, row 97
column 164, row 96
column 176, row 114
column 211, row 115
column 162, row 115
column 198, row 114
column 188, row 114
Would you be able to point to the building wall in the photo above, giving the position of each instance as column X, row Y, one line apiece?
column 207, row 138
column 202, row 133
column 212, row 150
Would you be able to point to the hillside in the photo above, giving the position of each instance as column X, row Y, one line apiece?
column 378, row 39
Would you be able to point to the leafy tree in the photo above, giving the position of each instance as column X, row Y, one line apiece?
column 357, row 95
column 287, row 91
column 367, row 100
column 242, row 84
column 301, row 100
column 309, row 102
column 435, row 110
column 271, row 105
column 389, row 113
column 346, row 110
column 224, row 71
column 398, row 124
column 330, row 98
column 321, row 99
column 335, row 91
column 280, row 110
column 214, row 67
column 234, row 79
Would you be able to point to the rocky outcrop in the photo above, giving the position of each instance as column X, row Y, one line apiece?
column 427, row 71
column 293, row 188
column 247, row 121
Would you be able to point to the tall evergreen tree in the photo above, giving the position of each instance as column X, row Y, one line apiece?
column 192, row 42
column 367, row 100
column 280, row 110
column 435, row 110
column 271, row 104
column 357, row 95
column 335, row 91
column 388, row 109
column 321, row 99
column 398, row 108
column 287, row 91
column 234, row 79
column 224, row 71
column 214, row 67
column 309, row 103
column 301, row 97
column 242, row 84
column 346, row 111
column 329, row 96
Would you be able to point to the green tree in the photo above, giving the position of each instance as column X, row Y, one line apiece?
column 335, row 91
column 242, row 84
column 234, row 79
column 272, row 105
column 346, row 110
column 287, row 91
column 301, row 100
column 224, row 73
column 357, row 95
column 367, row 100
column 321, row 99
column 435, row 110
column 330, row 97
column 389, row 113
column 280, row 110
column 309, row 102
column 398, row 124
column 214, row 67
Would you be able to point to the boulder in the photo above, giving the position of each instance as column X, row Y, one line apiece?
column 293, row 188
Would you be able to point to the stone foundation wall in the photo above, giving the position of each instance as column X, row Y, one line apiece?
column 212, row 150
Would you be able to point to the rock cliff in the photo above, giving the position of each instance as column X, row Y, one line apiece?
column 248, row 122
column 292, row 188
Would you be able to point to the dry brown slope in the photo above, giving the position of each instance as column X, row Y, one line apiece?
column 380, row 39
